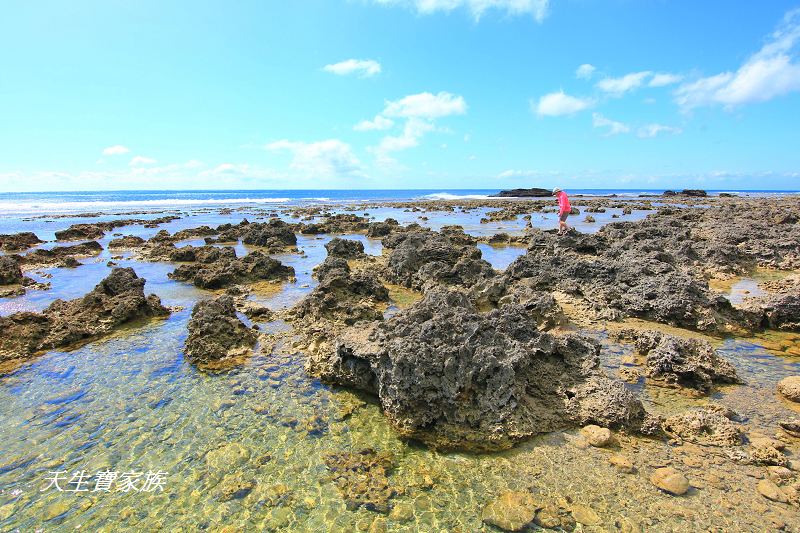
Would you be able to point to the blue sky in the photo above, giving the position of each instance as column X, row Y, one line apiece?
column 399, row 94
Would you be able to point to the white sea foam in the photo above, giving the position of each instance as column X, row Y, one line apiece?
column 448, row 196
column 32, row 206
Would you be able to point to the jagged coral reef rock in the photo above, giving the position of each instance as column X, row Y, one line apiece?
column 457, row 378
column 789, row 387
column 10, row 271
column 421, row 259
column 62, row 256
column 210, row 267
column 19, row 241
column 345, row 248
column 128, row 241
column 704, row 426
column 216, row 333
column 679, row 362
column 117, row 300
column 342, row 295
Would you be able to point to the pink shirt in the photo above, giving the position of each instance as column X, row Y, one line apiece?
column 563, row 203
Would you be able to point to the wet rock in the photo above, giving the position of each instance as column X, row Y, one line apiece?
column 675, row 361
column 117, row 300
column 362, row 478
column 423, row 258
column 61, row 255
column 382, row 229
column 10, row 271
column 704, row 426
column 771, row 491
column 402, row 512
column 234, row 486
column 511, row 511
column 227, row 457
column 596, row 436
column 765, row 453
column 216, row 333
column 586, row 515
column 457, row 378
column 128, row 241
column 342, row 295
column 274, row 235
column 525, row 193
column 345, row 248
column 223, row 270
column 622, row 463
column 670, row 480
column 789, row 388
column 19, row 241
column 791, row 426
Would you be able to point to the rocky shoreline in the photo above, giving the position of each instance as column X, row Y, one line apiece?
column 480, row 359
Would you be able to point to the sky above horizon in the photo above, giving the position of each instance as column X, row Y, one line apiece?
column 394, row 94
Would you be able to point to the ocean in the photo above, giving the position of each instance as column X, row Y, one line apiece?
column 102, row 201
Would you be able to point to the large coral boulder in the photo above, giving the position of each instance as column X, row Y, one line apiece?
column 457, row 378
column 117, row 300
column 214, row 268
column 345, row 248
column 216, row 333
column 19, row 241
column 789, row 388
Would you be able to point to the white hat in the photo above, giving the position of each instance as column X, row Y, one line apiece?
column 556, row 189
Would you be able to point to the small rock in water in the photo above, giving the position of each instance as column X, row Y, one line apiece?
column 670, row 480
column 596, row 436
column 511, row 511
column 54, row 510
column 622, row 463
column 585, row 515
column 790, row 388
column 771, row 491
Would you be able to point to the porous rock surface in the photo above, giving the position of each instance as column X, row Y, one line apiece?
column 679, row 362
column 457, row 378
column 117, row 300
column 216, row 332
column 210, row 267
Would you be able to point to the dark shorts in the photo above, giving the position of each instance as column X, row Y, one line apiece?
column 563, row 216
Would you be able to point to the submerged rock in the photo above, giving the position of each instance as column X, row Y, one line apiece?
column 511, row 511
column 675, row 361
column 670, row 481
column 362, row 478
column 216, row 333
column 704, row 426
column 457, row 378
column 118, row 299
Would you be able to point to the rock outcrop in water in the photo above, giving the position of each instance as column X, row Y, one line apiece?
column 60, row 256
column 423, row 259
column 19, row 241
column 275, row 236
column 345, row 248
column 211, row 267
column 343, row 296
column 216, row 334
column 678, row 362
column 10, row 271
column 524, row 193
column 457, row 378
column 117, row 300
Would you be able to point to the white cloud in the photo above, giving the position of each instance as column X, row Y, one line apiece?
column 364, row 68
column 535, row 8
column 426, row 105
column 329, row 158
column 413, row 130
column 585, row 71
column 662, row 79
column 614, row 127
column 117, row 149
column 142, row 160
column 558, row 103
column 378, row 123
column 771, row 72
column 619, row 86
column 652, row 130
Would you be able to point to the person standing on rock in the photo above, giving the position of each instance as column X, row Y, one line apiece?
column 563, row 210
